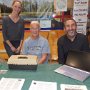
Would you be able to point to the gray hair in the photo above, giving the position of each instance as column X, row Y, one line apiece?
column 35, row 22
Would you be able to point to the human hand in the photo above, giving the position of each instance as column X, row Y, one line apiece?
column 18, row 50
column 13, row 49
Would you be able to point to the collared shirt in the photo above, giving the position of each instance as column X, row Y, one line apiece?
column 37, row 47
column 64, row 45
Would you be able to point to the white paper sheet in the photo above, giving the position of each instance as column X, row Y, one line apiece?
column 11, row 83
column 45, row 23
column 72, row 87
column 41, row 85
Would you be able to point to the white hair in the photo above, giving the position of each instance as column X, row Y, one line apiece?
column 35, row 22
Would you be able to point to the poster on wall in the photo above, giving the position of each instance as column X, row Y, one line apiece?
column 32, row 9
column 81, row 3
column 80, row 12
column 45, row 24
column 61, row 5
column 81, row 28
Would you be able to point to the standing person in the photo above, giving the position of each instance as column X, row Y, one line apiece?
column 13, row 30
column 71, row 41
column 36, row 44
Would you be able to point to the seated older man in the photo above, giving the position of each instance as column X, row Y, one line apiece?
column 36, row 44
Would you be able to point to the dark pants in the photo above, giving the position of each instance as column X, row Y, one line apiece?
column 8, row 49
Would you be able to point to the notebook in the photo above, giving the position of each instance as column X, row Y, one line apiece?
column 77, row 65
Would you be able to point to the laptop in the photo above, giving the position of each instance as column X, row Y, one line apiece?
column 77, row 65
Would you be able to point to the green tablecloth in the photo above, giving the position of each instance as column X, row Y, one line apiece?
column 44, row 72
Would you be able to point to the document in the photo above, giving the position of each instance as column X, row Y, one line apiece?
column 45, row 23
column 11, row 83
column 72, row 87
column 41, row 85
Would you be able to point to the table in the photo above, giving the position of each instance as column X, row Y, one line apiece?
column 45, row 72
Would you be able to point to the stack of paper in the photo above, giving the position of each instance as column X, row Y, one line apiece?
column 11, row 84
column 41, row 85
column 72, row 87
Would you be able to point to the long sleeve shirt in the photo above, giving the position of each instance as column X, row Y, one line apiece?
column 11, row 30
column 64, row 45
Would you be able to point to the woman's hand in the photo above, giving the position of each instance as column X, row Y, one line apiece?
column 13, row 49
column 18, row 49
